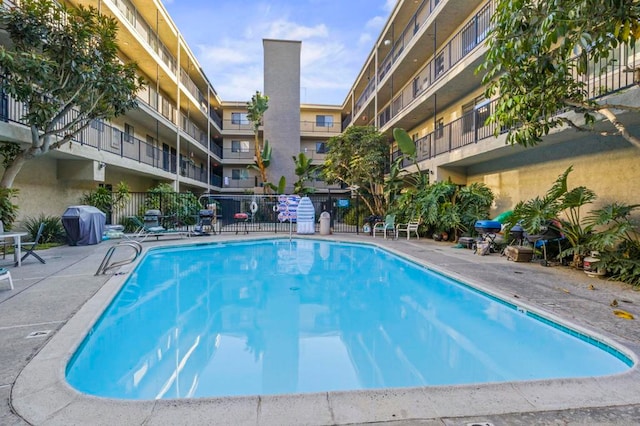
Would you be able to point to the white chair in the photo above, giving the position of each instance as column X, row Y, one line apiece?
column 6, row 275
column 408, row 228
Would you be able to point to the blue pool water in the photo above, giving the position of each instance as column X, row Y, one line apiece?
column 275, row 316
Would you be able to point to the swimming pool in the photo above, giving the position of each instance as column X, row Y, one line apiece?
column 273, row 316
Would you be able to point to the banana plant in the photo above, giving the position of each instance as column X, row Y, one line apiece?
column 304, row 170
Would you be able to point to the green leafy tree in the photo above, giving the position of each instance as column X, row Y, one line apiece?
column 255, row 114
column 402, row 182
column 63, row 65
column 357, row 158
column 537, row 53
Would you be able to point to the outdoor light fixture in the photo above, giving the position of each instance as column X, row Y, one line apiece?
column 387, row 42
column 101, row 165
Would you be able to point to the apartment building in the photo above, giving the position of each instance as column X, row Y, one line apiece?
column 421, row 76
column 183, row 133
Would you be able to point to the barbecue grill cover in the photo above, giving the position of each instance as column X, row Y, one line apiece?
column 84, row 225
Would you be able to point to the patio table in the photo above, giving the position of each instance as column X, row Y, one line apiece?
column 17, row 244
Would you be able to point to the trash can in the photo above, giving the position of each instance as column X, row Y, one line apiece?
column 325, row 223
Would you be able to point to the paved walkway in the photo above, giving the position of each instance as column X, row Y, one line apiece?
column 54, row 301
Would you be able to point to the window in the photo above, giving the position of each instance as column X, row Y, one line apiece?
column 239, row 146
column 239, row 118
column 468, row 117
column 482, row 114
column 475, row 114
column 128, row 133
column 151, row 143
column 439, row 128
column 321, row 147
column 439, row 64
column 469, row 37
column 324, row 120
column 98, row 125
column 239, row 174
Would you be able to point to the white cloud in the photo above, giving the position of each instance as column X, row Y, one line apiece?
column 332, row 53
column 375, row 23
column 230, row 55
column 286, row 30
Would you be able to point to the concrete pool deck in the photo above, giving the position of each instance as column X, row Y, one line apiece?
column 53, row 306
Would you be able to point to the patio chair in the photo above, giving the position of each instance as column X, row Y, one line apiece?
column 408, row 228
column 30, row 246
column 3, row 242
column 6, row 275
column 150, row 227
column 388, row 225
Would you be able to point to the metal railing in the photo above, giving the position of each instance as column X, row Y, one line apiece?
column 602, row 78
column 411, row 29
column 262, row 215
column 181, row 211
column 461, row 44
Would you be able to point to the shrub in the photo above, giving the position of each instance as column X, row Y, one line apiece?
column 53, row 231
column 8, row 210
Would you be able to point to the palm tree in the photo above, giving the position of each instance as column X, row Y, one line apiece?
column 255, row 114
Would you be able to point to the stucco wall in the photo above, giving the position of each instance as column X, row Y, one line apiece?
column 42, row 192
column 612, row 175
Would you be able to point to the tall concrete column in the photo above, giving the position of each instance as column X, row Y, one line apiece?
column 282, row 119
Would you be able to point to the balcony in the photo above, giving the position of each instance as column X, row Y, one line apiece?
column 144, row 30
column 243, row 125
column 315, row 127
column 409, row 32
column 461, row 45
column 191, row 129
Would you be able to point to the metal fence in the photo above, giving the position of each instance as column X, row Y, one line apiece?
column 182, row 211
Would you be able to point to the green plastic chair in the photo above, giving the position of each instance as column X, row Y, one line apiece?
column 389, row 224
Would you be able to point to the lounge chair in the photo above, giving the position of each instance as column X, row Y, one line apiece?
column 150, row 227
column 408, row 228
column 388, row 225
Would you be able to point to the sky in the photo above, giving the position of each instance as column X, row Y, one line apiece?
column 226, row 38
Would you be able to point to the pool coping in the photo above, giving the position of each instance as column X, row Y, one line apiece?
column 42, row 395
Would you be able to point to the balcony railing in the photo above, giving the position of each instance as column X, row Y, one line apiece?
column 190, row 128
column 313, row 154
column 215, row 117
column 107, row 138
column 147, row 33
column 314, row 127
column 462, row 44
column 417, row 20
column 239, row 154
column 158, row 102
column 237, row 125
column 602, row 78
column 466, row 130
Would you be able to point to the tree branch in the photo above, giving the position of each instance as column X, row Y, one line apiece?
column 622, row 129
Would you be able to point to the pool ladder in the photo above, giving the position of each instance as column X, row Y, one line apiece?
column 105, row 265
